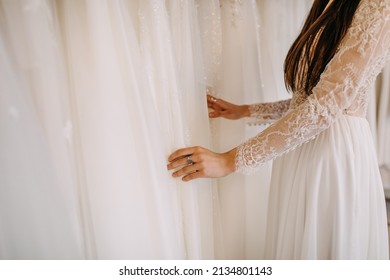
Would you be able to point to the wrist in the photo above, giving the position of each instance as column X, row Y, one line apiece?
column 245, row 112
column 230, row 161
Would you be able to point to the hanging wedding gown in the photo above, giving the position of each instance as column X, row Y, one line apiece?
column 186, row 39
column 280, row 23
column 230, row 29
column 131, row 115
column 112, row 134
column 237, row 46
column 326, row 195
column 91, row 109
column 39, row 216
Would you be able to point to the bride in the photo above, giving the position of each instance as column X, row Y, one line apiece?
column 326, row 196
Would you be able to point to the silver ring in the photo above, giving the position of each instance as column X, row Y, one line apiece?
column 189, row 160
column 213, row 99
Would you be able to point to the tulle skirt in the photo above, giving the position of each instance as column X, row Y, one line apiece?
column 327, row 199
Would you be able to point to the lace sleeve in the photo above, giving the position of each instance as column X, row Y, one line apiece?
column 269, row 112
column 359, row 59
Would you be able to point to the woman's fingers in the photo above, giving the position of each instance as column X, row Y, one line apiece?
column 217, row 103
column 187, row 167
column 186, row 170
column 177, row 163
column 211, row 98
column 194, row 175
column 223, row 109
column 212, row 102
column 182, row 161
column 215, row 114
column 197, row 162
column 182, row 153
column 187, row 163
column 217, row 109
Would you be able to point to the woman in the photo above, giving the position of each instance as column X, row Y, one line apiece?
column 326, row 196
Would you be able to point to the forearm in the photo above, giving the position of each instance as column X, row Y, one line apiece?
column 269, row 112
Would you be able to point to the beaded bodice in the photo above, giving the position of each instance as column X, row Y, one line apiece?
column 341, row 90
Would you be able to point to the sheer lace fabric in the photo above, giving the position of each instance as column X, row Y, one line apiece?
column 269, row 112
column 342, row 89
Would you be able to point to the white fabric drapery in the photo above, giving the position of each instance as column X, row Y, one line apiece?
column 94, row 95
column 111, row 106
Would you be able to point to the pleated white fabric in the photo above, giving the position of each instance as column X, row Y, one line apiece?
column 110, row 102
column 324, row 203
column 38, row 213
column 129, row 96
column 237, row 79
column 246, row 68
column 95, row 94
column 280, row 23
column 121, row 161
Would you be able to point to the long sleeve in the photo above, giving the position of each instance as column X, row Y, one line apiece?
column 269, row 112
column 359, row 59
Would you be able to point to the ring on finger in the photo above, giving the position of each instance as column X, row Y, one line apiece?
column 213, row 99
column 189, row 160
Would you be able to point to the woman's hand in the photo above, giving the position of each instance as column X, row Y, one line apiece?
column 224, row 109
column 197, row 162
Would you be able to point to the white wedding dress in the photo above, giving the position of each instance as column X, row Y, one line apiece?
column 231, row 48
column 94, row 96
column 281, row 22
column 129, row 92
column 39, row 216
column 326, row 195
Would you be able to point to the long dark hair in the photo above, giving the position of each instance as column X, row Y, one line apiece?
column 317, row 43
